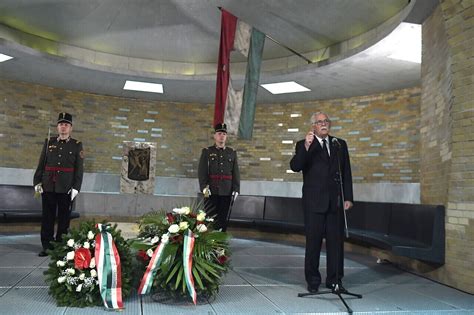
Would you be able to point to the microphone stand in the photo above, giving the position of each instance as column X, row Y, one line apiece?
column 336, row 289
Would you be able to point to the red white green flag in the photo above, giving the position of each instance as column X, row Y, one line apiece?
column 237, row 108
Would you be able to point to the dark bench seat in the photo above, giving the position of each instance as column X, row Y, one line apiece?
column 18, row 204
column 411, row 230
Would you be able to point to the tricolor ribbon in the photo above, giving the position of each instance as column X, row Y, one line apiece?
column 108, row 268
column 188, row 246
column 155, row 261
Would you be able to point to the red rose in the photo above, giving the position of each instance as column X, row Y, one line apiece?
column 222, row 259
column 177, row 238
column 142, row 255
column 170, row 218
column 82, row 258
column 193, row 215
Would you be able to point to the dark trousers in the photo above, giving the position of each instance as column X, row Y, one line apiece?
column 218, row 206
column 317, row 227
column 53, row 202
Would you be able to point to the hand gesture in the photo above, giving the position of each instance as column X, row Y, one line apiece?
column 309, row 139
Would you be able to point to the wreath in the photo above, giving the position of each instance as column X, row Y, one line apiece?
column 83, row 263
column 181, row 253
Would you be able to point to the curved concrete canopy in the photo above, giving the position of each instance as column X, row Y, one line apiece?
column 95, row 46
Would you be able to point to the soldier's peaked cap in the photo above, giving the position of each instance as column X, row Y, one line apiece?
column 220, row 128
column 65, row 117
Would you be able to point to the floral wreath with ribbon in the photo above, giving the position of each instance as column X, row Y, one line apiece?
column 90, row 266
column 181, row 253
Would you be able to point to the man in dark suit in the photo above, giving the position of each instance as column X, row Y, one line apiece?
column 219, row 177
column 58, row 178
column 317, row 156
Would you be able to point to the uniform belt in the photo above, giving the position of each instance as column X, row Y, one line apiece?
column 221, row 177
column 55, row 169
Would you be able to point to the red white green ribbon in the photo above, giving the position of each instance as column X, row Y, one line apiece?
column 108, row 268
column 155, row 261
column 188, row 246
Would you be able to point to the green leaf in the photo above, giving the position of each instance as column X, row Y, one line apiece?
column 176, row 267
column 179, row 277
column 203, row 273
column 197, row 277
column 204, row 264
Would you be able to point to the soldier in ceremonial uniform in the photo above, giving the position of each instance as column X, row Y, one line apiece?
column 58, row 179
column 219, row 176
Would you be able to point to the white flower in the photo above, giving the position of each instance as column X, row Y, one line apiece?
column 70, row 255
column 93, row 273
column 90, row 235
column 71, row 271
column 177, row 210
column 155, row 240
column 186, row 210
column 70, row 242
column 165, row 238
column 183, row 225
column 183, row 210
column 79, row 288
column 174, row 228
column 210, row 219
column 149, row 252
column 201, row 228
column 86, row 245
column 201, row 216
column 60, row 263
column 92, row 263
column 62, row 279
column 82, row 276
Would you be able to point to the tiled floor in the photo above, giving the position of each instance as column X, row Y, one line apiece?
column 266, row 278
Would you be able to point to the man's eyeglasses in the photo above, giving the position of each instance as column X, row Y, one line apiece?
column 322, row 122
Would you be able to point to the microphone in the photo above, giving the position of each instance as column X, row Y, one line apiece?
column 336, row 142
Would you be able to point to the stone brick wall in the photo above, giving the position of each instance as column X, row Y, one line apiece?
column 436, row 118
column 458, row 17
column 381, row 130
column 447, row 134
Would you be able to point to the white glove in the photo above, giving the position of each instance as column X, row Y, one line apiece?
column 39, row 188
column 73, row 193
column 206, row 191
column 235, row 194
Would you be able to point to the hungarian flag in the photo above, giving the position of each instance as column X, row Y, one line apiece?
column 237, row 108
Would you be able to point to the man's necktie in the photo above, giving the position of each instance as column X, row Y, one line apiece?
column 325, row 149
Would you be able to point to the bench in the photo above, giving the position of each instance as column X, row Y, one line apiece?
column 410, row 230
column 18, row 204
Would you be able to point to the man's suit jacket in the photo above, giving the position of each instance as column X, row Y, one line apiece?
column 320, row 188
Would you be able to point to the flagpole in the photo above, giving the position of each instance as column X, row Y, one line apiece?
column 284, row 46
column 288, row 48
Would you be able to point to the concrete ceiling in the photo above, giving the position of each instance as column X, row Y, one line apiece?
column 96, row 45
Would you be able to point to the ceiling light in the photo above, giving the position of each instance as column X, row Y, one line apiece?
column 284, row 87
column 5, row 57
column 143, row 86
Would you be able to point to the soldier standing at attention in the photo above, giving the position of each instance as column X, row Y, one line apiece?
column 58, row 179
column 219, row 176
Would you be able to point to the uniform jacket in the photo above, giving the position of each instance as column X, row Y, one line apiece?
column 61, row 166
column 219, row 169
column 320, row 187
